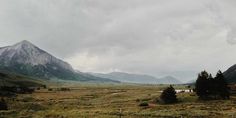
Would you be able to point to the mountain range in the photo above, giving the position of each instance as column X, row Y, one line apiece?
column 27, row 59
column 138, row 78
column 24, row 59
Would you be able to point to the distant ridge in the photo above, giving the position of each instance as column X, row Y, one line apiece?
column 230, row 74
column 169, row 80
column 138, row 78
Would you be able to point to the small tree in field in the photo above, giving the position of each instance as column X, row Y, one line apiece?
column 168, row 96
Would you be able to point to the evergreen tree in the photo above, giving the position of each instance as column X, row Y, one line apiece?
column 212, row 87
column 221, row 86
column 202, row 88
column 169, row 95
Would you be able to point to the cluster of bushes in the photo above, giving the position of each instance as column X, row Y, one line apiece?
column 20, row 90
column 208, row 87
column 59, row 89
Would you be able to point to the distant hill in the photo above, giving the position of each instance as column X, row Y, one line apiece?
column 169, row 80
column 230, row 74
column 25, row 58
column 128, row 78
column 138, row 78
column 190, row 82
column 12, row 79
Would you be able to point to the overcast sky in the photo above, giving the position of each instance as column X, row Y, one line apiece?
column 156, row 37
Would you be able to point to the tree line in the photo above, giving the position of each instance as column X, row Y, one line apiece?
column 208, row 87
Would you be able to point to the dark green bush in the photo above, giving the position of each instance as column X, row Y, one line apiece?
column 144, row 104
column 50, row 89
column 168, row 96
column 64, row 89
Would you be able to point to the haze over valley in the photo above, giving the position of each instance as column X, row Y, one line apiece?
column 117, row 59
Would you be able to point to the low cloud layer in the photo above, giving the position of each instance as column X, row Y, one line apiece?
column 178, row 38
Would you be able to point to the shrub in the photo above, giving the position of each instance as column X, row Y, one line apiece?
column 143, row 104
column 27, row 99
column 3, row 105
column 44, row 86
column 138, row 100
column 169, row 95
column 64, row 89
column 50, row 89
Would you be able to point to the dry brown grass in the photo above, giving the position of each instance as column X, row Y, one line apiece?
column 107, row 102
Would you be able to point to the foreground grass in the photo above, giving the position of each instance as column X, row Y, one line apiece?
column 113, row 101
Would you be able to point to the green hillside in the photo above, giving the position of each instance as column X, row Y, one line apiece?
column 12, row 79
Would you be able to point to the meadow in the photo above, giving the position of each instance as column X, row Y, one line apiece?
column 114, row 101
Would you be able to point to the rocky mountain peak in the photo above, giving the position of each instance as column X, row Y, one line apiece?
column 25, row 52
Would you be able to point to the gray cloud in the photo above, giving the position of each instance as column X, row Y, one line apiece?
column 154, row 37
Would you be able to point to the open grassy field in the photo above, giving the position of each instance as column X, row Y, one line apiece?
column 114, row 101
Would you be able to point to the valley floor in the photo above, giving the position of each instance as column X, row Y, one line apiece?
column 113, row 101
